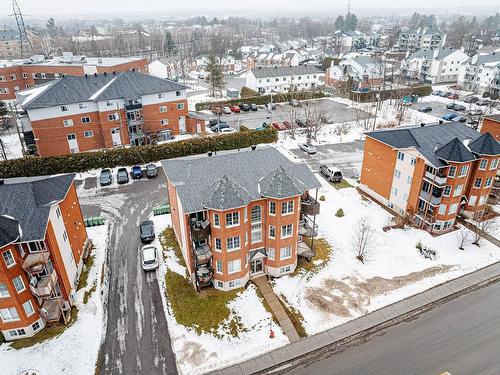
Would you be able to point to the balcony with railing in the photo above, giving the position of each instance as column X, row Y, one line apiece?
column 52, row 310
column 200, row 229
column 203, row 253
column 438, row 178
column 433, row 198
column 309, row 206
column 204, row 275
column 44, row 285
column 308, row 228
column 35, row 262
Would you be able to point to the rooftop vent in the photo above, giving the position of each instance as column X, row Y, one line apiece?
column 422, row 124
column 95, row 74
column 105, row 74
column 86, row 75
column 440, row 121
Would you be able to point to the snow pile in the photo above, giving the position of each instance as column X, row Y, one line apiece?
column 345, row 288
column 75, row 350
column 199, row 353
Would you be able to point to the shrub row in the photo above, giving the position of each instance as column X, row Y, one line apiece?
column 423, row 90
column 37, row 166
column 263, row 99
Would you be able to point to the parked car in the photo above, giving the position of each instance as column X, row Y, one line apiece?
column 443, row 94
column 226, row 110
column 212, row 122
column 260, row 128
column 294, row 103
column 475, row 112
column 149, row 258
column 217, row 110
column 244, row 107
column 271, row 106
column 136, row 172
column 219, row 126
column 449, row 116
column 425, row 109
column 235, row 109
column 300, row 123
column 471, row 121
column 122, row 176
column 287, row 124
column 483, row 102
column 310, row 149
column 437, row 93
column 278, row 126
column 459, row 107
column 460, row 119
column 147, row 231
column 106, row 177
column 448, row 93
column 331, row 172
column 151, row 171
column 452, row 96
column 406, row 102
column 266, row 125
column 471, row 99
column 450, row 105
column 227, row 130
column 253, row 107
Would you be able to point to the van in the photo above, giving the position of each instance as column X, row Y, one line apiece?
column 331, row 172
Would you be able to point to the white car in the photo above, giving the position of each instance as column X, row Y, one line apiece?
column 149, row 258
column 226, row 110
column 310, row 149
column 227, row 130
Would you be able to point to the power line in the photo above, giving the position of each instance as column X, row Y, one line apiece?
column 26, row 46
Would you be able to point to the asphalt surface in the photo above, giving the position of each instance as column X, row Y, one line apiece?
column 137, row 338
column 461, row 337
column 439, row 109
column 348, row 157
column 336, row 113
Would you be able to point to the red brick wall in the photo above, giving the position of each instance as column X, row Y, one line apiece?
column 478, row 192
column 153, row 116
column 491, row 126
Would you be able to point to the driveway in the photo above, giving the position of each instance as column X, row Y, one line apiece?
column 348, row 157
column 137, row 338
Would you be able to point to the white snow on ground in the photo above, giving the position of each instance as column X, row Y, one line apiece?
column 75, row 351
column 12, row 145
column 201, row 98
column 394, row 255
column 197, row 354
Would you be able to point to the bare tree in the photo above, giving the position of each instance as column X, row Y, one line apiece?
column 363, row 238
column 464, row 237
column 483, row 225
column 316, row 117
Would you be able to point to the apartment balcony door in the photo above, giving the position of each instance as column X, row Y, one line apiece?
column 72, row 143
column 182, row 124
column 115, row 137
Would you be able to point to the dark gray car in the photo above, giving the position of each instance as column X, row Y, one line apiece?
column 147, row 230
column 151, row 171
column 122, row 176
column 106, row 177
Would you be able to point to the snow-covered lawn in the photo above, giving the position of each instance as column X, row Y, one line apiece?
column 12, row 145
column 75, row 350
column 345, row 288
column 198, row 353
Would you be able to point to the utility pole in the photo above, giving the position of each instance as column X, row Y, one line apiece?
column 13, row 115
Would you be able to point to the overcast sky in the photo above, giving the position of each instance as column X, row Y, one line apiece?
column 79, row 8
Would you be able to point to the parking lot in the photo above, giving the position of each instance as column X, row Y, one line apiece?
column 336, row 113
column 439, row 108
column 348, row 157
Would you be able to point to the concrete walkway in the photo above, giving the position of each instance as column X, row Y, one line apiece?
column 278, row 310
column 368, row 324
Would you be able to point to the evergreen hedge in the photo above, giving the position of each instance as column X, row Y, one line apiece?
column 263, row 99
column 81, row 162
column 363, row 97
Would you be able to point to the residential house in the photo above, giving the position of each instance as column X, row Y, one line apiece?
column 366, row 71
column 42, row 242
column 432, row 172
column 240, row 215
column 284, row 78
column 169, row 68
column 76, row 114
column 479, row 72
column 228, row 63
column 346, row 41
column 270, row 59
column 17, row 75
column 420, row 38
column 10, row 44
column 434, row 65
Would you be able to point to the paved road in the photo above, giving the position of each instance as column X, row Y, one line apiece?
column 348, row 157
column 137, row 338
column 462, row 337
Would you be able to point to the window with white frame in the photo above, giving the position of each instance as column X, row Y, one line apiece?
column 68, row 122
column 458, row 190
column 233, row 243
column 64, row 108
column 270, row 253
column 256, row 224
column 464, row 170
column 395, row 191
column 494, row 164
column 272, row 231
column 218, row 266
column 8, row 258
column 232, row 219
column 18, row 284
column 4, row 291
column 488, row 182
column 218, row 244
column 163, row 108
column 35, row 326
column 483, row 164
column 9, row 314
column 286, row 207
column 109, row 103
column 472, row 200
column 482, row 199
column 285, row 269
column 220, row 284
column 88, row 134
column 234, row 266
column 164, row 121
column 397, row 173
column 285, row 252
column 453, row 208
column 401, row 156
column 413, row 161
column 82, row 106
column 442, row 209
column 180, row 106
column 65, row 236
column 272, row 208
column 216, row 220
column 234, row 283
column 161, row 95
column 409, row 179
column 28, row 308
column 452, row 171
column 86, row 120
column 112, row 117
column 286, row 231
column 478, row 182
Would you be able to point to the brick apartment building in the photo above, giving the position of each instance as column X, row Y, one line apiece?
column 42, row 240
column 434, row 172
column 76, row 114
column 241, row 214
column 491, row 124
column 17, row 75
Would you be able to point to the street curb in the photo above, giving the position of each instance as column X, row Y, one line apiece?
column 337, row 338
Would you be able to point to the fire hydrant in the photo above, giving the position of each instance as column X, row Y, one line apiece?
column 271, row 332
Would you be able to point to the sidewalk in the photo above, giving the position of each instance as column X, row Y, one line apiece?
column 278, row 311
column 369, row 323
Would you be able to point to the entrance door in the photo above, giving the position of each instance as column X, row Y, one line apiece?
column 257, row 266
column 182, row 124
column 72, row 143
column 115, row 137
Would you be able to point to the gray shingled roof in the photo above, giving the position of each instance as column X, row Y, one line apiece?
column 281, row 71
column 429, row 53
column 455, row 151
column 9, row 230
column 426, row 139
column 226, row 194
column 126, row 85
column 197, row 178
column 485, row 145
column 29, row 200
column 279, row 184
